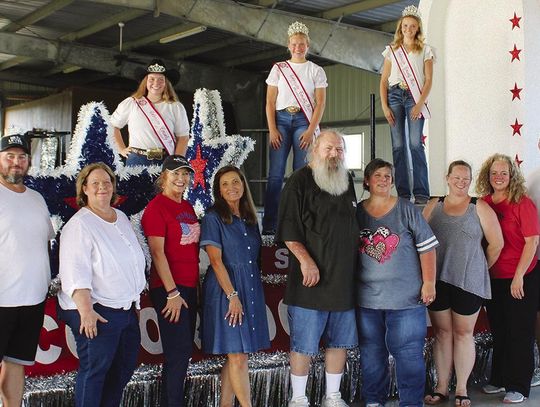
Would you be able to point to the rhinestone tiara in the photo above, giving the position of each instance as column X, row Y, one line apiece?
column 411, row 11
column 156, row 68
column 297, row 28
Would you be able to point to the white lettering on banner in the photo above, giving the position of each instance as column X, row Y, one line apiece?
column 282, row 257
column 153, row 347
column 70, row 341
column 46, row 357
column 283, row 316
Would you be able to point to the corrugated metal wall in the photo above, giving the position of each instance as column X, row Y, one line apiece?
column 347, row 107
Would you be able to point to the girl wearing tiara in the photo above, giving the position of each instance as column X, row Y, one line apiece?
column 405, row 84
column 295, row 102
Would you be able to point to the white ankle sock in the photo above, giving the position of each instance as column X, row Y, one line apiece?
column 298, row 384
column 333, row 380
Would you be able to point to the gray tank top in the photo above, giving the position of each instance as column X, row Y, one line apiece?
column 460, row 257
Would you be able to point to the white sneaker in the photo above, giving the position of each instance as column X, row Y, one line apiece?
column 334, row 400
column 490, row 389
column 535, row 381
column 299, row 402
column 512, row 397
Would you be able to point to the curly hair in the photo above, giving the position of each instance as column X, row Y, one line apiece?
column 169, row 95
column 516, row 186
column 418, row 39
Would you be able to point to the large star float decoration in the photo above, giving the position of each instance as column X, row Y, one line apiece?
column 210, row 148
column 92, row 142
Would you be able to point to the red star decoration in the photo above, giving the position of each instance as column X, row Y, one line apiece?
column 515, row 21
column 72, row 201
column 515, row 53
column 518, row 161
column 199, row 165
column 517, row 128
column 516, row 91
column 423, row 139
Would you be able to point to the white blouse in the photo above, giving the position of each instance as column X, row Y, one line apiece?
column 104, row 257
column 311, row 75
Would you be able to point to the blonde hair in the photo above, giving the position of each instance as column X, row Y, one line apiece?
column 516, row 186
column 169, row 95
column 82, row 199
column 418, row 44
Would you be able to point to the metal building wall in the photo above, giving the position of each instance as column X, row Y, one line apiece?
column 347, row 107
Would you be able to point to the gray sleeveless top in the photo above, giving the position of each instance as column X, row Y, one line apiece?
column 460, row 257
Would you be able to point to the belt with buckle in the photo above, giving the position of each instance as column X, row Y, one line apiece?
column 151, row 153
column 292, row 109
column 403, row 85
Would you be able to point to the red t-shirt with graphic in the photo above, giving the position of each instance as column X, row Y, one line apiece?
column 178, row 224
column 518, row 221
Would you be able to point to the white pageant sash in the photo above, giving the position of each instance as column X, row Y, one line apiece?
column 298, row 91
column 407, row 71
column 160, row 128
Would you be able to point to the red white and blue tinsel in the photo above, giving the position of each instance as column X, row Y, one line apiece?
column 210, row 148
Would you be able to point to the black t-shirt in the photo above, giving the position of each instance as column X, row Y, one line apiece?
column 327, row 227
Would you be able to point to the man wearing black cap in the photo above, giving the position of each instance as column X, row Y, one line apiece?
column 25, row 230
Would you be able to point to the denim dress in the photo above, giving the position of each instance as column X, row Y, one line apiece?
column 240, row 245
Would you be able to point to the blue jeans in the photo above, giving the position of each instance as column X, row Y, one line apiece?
column 401, row 103
column 291, row 127
column 177, row 342
column 106, row 362
column 398, row 332
column 308, row 326
column 137, row 159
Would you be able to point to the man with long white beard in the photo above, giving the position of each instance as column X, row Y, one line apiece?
column 25, row 231
column 317, row 223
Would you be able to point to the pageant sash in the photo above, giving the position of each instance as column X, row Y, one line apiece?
column 158, row 125
column 298, row 91
column 407, row 71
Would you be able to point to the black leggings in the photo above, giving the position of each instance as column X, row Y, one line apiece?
column 512, row 325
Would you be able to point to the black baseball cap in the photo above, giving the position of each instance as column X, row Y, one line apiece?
column 175, row 162
column 15, row 140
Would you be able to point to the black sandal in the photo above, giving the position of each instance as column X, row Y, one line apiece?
column 442, row 398
column 461, row 399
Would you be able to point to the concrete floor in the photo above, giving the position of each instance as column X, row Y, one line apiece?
column 479, row 399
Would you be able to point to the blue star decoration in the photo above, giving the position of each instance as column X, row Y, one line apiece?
column 210, row 148
column 92, row 142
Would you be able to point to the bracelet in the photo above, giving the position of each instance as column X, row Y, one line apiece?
column 174, row 296
column 172, row 291
column 231, row 295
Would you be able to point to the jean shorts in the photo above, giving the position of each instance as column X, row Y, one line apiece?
column 337, row 329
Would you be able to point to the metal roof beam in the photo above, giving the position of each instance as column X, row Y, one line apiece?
column 37, row 15
column 329, row 40
column 13, row 62
column 353, row 8
column 232, row 83
column 260, row 56
column 110, row 21
column 124, row 16
column 208, row 47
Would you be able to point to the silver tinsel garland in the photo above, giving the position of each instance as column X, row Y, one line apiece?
column 269, row 379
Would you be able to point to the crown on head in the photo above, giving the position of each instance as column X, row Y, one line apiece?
column 156, row 68
column 411, row 11
column 297, row 28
